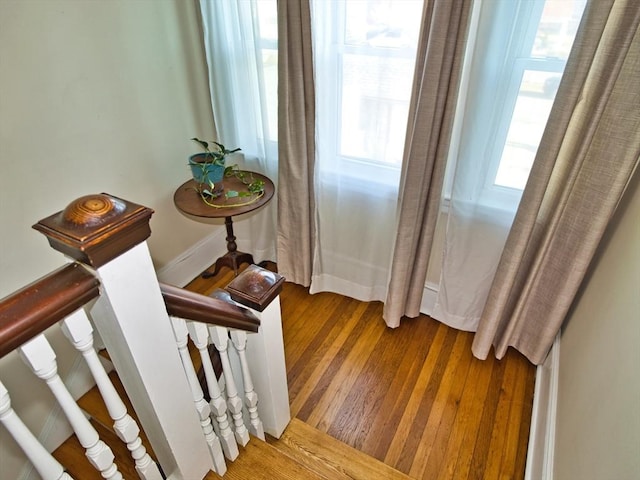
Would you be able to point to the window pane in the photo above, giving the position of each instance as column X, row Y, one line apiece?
column 375, row 105
column 270, row 73
column 377, row 62
column 268, row 20
column 268, row 31
column 383, row 23
column 530, row 115
column 553, row 40
column 557, row 28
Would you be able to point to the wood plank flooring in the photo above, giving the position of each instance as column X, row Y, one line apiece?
column 413, row 397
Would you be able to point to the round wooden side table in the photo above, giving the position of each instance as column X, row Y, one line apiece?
column 188, row 201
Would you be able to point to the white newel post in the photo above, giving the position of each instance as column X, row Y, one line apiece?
column 109, row 234
column 259, row 290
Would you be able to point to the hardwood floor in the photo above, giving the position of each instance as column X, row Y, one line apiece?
column 413, row 397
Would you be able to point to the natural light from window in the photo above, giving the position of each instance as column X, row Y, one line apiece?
column 268, row 38
column 376, row 61
column 372, row 61
column 539, row 70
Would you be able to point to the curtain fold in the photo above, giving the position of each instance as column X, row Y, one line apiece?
column 588, row 153
column 445, row 25
column 296, row 143
column 364, row 54
column 238, row 105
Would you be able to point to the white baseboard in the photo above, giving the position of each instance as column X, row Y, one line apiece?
column 189, row 264
column 543, row 418
column 428, row 298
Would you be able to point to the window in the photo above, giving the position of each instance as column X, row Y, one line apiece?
column 267, row 38
column 365, row 56
column 520, row 51
column 537, row 70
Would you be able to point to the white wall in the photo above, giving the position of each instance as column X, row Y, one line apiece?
column 598, row 417
column 95, row 96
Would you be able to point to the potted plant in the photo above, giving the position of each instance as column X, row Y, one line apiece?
column 208, row 167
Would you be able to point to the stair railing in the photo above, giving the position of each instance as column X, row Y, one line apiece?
column 62, row 297
column 24, row 316
column 238, row 402
column 108, row 235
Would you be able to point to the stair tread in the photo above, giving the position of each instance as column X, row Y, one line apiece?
column 329, row 457
column 261, row 461
column 302, row 452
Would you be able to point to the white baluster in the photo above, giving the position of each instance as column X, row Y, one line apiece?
column 202, row 407
column 200, row 337
column 40, row 357
column 79, row 331
column 44, row 463
column 220, row 337
column 239, row 339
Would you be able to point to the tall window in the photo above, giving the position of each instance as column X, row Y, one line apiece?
column 537, row 68
column 520, row 53
column 365, row 56
column 516, row 55
column 267, row 37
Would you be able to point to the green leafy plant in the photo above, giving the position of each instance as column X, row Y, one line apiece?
column 255, row 189
column 253, row 186
column 216, row 154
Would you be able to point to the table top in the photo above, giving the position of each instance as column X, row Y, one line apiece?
column 188, row 200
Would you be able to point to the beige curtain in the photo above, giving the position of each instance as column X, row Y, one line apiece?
column 587, row 156
column 440, row 54
column 296, row 148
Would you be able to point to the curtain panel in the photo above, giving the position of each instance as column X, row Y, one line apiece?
column 238, row 107
column 588, row 154
column 445, row 26
column 296, row 143
column 345, row 78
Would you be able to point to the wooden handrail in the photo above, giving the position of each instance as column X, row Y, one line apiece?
column 217, row 309
column 34, row 308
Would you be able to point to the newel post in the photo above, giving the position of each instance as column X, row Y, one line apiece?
column 259, row 289
column 109, row 234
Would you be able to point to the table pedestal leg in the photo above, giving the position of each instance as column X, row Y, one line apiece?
column 233, row 258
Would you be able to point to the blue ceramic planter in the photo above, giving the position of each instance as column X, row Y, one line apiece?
column 205, row 173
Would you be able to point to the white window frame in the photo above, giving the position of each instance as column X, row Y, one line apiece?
column 265, row 44
column 518, row 61
column 371, row 170
column 515, row 60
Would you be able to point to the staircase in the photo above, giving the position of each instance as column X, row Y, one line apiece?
column 146, row 327
column 302, row 452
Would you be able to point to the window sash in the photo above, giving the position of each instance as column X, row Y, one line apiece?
column 343, row 102
column 499, row 58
